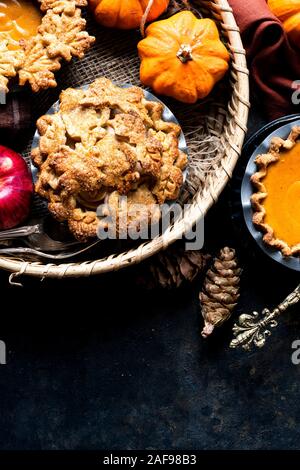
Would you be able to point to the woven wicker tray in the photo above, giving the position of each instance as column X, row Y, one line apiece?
column 223, row 117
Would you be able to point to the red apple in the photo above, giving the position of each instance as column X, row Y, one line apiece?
column 16, row 189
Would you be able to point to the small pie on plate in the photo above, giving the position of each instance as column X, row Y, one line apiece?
column 276, row 202
column 33, row 43
column 106, row 142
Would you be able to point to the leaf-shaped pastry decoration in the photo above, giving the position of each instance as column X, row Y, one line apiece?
column 62, row 6
column 64, row 36
column 38, row 67
column 92, row 157
column 61, row 35
column 9, row 63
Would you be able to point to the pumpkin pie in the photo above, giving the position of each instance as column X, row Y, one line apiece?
column 34, row 41
column 19, row 19
column 276, row 202
column 103, row 144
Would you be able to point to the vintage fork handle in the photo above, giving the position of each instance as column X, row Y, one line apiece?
column 19, row 232
column 253, row 329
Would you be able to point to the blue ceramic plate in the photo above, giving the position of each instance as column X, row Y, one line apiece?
column 291, row 262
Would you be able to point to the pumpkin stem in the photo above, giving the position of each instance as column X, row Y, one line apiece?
column 185, row 53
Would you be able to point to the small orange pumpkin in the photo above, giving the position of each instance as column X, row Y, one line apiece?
column 125, row 14
column 183, row 57
column 288, row 11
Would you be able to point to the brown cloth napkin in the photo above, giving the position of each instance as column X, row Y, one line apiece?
column 16, row 112
column 273, row 62
column 16, row 119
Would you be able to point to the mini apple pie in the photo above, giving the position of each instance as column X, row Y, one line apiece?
column 276, row 202
column 103, row 144
column 33, row 42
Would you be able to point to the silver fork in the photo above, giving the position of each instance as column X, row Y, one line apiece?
column 35, row 237
column 32, row 253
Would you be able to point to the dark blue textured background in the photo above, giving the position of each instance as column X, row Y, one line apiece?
column 98, row 364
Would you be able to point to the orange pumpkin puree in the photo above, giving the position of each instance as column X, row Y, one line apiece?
column 282, row 203
column 19, row 19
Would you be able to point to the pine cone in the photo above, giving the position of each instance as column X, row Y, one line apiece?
column 171, row 268
column 220, row 290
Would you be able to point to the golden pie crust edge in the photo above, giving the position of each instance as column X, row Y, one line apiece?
column 61, row 35
column 263, row 161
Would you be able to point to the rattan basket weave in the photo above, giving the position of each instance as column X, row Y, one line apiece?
column 225, row 117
